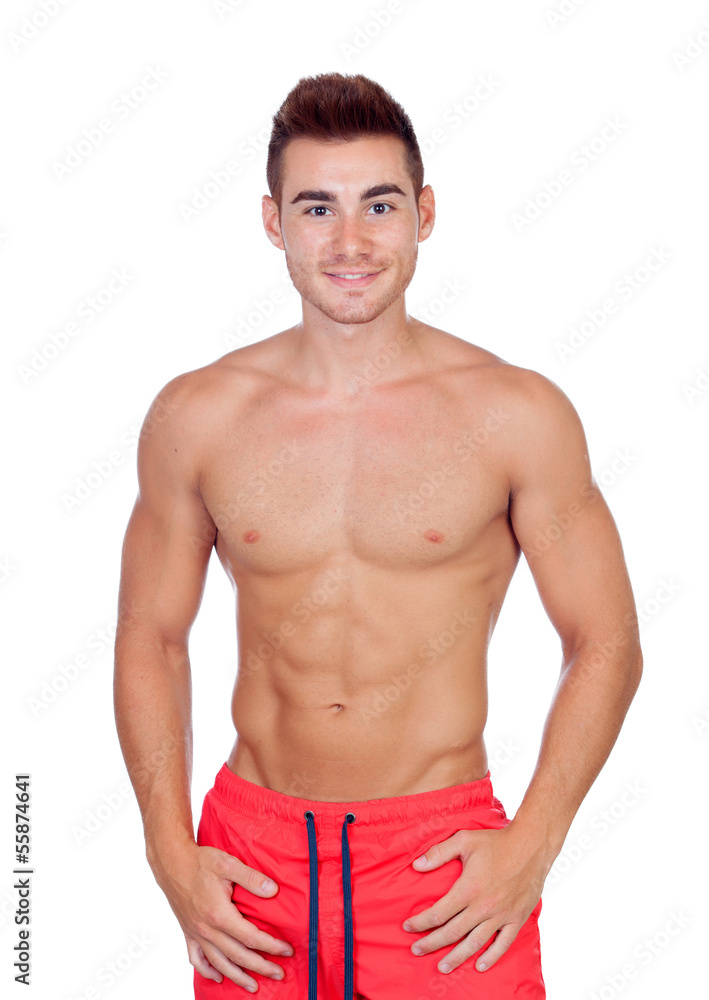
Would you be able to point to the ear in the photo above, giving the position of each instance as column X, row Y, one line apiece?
column 271, row 221
column 427, row 213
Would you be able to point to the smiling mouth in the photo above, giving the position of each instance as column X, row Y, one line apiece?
column 353, row 278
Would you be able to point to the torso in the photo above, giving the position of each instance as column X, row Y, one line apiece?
column 370, row 547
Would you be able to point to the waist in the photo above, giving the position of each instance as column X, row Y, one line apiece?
column 356, row 733
column 257, row 802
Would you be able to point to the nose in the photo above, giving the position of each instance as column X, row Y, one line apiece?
column 350, row 237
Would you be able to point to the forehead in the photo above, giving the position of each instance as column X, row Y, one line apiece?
column 358, row 163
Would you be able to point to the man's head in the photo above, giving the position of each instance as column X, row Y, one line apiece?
column 346, row 179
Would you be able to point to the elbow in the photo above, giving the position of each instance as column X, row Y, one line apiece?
column 635, row 673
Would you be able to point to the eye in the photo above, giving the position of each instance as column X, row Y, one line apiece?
column 316, row 213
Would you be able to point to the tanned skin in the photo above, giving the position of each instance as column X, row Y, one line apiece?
column 368, row 482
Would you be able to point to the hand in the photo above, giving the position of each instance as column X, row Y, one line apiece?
column 501, row 883
column 198, row 882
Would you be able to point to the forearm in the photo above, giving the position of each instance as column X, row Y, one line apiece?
column 152, row 701
column 595, row 690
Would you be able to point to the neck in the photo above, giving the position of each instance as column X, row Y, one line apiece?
column 345, row 358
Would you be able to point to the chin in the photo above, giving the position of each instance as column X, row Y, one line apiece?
column 352, row 314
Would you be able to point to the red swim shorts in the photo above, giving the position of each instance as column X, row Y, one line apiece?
column 346, row 886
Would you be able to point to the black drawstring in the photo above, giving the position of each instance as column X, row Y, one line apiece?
column 313, row 922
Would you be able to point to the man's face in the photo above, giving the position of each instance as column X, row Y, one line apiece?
column 349, row 207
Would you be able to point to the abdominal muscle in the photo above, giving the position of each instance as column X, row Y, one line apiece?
column 371, row 695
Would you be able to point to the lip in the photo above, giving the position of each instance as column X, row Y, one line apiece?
column 352, row 283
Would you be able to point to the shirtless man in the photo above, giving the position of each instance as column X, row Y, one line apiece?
column 368, row 482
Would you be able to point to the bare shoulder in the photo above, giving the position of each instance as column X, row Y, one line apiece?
column 199, row 397
column 528, row 393
column 542, row 440
column 534, row 397
column 191, row 412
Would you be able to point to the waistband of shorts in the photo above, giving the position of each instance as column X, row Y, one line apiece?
column 257, row 802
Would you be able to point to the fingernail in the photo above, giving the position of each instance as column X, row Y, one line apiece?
column 267, row 885
column 407, row 926
column 416, row 950
column 481, row 966
column 286, row 951
column 444, row 968
column 421, row 860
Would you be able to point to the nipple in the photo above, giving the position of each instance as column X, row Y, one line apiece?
column 432, row 535
column 252, row 536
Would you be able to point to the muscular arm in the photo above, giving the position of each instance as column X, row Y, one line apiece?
column 164, row 564
column 571, row 542
column 166, row 552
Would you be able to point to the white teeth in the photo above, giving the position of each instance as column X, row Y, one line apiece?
column 351, row 277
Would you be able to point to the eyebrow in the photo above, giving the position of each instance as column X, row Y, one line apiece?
column 372, row 192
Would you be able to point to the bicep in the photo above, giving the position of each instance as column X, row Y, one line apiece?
column 170, row 533
column 564, row 526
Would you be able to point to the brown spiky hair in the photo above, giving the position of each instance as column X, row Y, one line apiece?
column 339, row 108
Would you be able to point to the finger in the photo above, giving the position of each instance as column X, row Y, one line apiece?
column 240, row 951
column 498, row 948
column 229, row 969
column 251, row 879
column 237, row 927
column 455, row 900
column 199, row 960
column 450, row 933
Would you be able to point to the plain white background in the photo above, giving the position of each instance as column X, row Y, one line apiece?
column 624, row 906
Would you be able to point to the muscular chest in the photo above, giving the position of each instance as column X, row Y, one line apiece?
column 401, row 485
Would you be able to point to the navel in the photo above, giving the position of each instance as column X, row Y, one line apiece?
column 433, row 536
column 252, row 536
